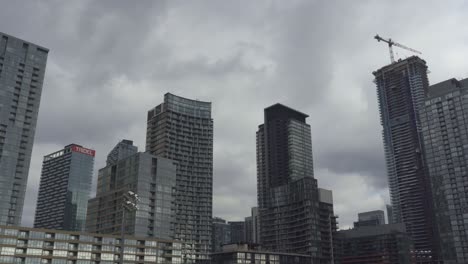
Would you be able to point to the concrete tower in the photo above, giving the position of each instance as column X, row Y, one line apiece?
column 22, row 68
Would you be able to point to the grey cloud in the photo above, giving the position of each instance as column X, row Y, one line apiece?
column 111, row 61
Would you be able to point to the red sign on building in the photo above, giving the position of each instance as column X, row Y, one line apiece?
column 86, row 151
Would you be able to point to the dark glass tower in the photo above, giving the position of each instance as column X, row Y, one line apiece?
column 123, row 149
column 288, row 197
column 22, row 67
column 181, row 129
column 401, row 89
column 221, row 234
column 65, row 189
column 445, row 133
column 237, row 231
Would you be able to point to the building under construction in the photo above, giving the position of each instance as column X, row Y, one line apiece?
column 401, row 89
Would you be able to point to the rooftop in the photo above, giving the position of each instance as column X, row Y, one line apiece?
column 168, row 95
column 279, row 106
column 399, row 63
column 447, row 86
column 33, row 44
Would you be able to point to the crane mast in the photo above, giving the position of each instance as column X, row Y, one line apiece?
column 391, row 43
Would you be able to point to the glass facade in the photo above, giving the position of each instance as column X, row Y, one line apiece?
column 181, row 129
column 371, row 218
column 22, row 68
column 153, row 179
column 237, row 230
column 65, row 188
column 122, row 150
column 38, row 246
column 445, row 133
column 221, row 234
column 300, row 150
column 290, row 212
column 255, row 226
column 376, row 244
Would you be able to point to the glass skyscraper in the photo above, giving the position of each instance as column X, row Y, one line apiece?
column 22, row 67
column 288, row 196
column 221, row 234
column 123, row 149
column 181, row 129
column 65, row 188
column 401, row 90
column 445, row 133
column 152, row 178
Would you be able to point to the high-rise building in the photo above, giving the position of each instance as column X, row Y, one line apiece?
column 237, row 231
column 389, row 213
column 444, row 128
column 221, row 234
column 288, row 197
column 371, row 218
column 153, row 179
column 252, row 228
column 65, row 188
column 328, row 226
column 123, row 149
column 255, row 226
column 22, row 68
column 401, row 89
column 248, row 229
column 182, row 129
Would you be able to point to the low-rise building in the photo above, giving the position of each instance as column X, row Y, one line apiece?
column 34, row 245
column 382, row 244
column 247, row 253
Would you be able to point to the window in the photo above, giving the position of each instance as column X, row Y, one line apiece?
column 9, row 251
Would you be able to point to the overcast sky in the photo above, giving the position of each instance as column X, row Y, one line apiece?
column 111, row 61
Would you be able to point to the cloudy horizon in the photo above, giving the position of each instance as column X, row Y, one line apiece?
column 112, row 61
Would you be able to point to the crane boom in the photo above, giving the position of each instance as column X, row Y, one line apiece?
column 391, row 43
column 404, row 47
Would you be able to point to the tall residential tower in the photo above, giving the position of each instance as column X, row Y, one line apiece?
column 401, row 89
column 181, row 129
column 22, row 67
column 445, row 133
column 288, row 197
column 65, row 188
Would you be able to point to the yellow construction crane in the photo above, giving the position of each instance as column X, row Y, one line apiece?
column 391, row 43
